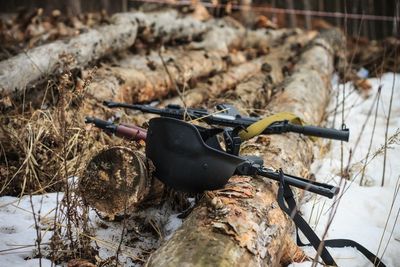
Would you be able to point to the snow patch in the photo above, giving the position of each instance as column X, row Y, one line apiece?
column 365, row 210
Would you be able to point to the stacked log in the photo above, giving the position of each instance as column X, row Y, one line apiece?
column 242, row 225
column 19, row 71
column 249, row 84
column 169, row 73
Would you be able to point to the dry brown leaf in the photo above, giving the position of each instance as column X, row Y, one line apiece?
column 80, row 263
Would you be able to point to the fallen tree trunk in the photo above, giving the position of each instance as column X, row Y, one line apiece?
column 19, row 71
column 217, row 85
column 203, row 59
column 139, row 85
column 252, row 81
column 241, row 225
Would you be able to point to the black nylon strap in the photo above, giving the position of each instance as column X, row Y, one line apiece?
column 285, row 196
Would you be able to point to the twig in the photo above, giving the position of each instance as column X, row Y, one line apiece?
column 393, row 138
column 180, row 94
column 387, row 127
column 376, row 99
column 372, row 134
column 37, row 228
column 123, row 227
column 395, row 195
column 342, row 183
column 54, row 248
column 63, row 125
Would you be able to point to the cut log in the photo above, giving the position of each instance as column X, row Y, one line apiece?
column 252, row 81
column 257, row 91
column 217, row 84
column 19, row 71
column 134, row 82
column 284, row 48
column 242, row 225
column 140, row 85
column 115, row 181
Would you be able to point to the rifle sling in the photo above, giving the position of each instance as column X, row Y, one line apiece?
column 258, row 127
column 287, row 203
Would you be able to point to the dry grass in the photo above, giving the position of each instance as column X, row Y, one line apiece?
column 41, row 149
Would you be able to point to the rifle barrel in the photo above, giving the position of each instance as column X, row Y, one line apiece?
column 102, row 124
column 318, row 188
column 127, row 131
column 342, row 135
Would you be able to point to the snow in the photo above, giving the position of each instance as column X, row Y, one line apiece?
column 364, row 210
column 110, row 232
column 362, row 213
column 17, row 228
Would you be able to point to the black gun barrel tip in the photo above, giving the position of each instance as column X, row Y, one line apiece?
column 89, row 119
column 335, row 190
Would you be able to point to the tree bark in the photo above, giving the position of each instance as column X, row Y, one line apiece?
column 257, row 91
column 217, row 84
column 242, row 225
column 73, row 7
column 257, row 75
column 19, row 71
column 132, row 85
column 137, row 82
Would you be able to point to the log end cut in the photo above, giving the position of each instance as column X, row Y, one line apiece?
column 115, row 181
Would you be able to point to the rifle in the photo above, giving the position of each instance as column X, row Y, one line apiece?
column 185, row 160
column 229, row 116
column 209, row 167
column 124, row 130
column 249, row 166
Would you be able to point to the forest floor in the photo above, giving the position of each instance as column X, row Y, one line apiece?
column 45, row 144
column 367, row 212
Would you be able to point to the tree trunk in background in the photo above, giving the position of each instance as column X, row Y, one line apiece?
column 124, row 4
column 105, row 5
column 338, row 9
column 241, row 225
column 292, row 17
column 246, row 13
column 307, row 6
column 73, row 7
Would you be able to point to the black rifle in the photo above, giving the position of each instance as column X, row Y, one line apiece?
column 230, row 117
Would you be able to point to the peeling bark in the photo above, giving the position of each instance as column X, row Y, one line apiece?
column 242, row 225
column 147, row 79
column 251, row 81
column 139, row 85
column 257, row 91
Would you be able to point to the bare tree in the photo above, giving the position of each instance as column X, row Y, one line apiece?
column 73, row 7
